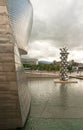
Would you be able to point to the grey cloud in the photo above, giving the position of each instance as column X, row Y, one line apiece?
column 57, row 23
column 63, row 29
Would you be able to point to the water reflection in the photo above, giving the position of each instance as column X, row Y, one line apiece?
column 41, row 89
column 63, row 95
column 53, row 100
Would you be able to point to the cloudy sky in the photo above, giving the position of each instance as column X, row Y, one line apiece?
column 56, row 24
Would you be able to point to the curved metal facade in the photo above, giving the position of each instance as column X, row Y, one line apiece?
column 15, row 26
column 20, row 14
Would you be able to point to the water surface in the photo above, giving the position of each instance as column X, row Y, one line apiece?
column 55, row 106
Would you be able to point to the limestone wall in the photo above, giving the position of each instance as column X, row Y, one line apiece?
column 14, row 94
column 2, row 2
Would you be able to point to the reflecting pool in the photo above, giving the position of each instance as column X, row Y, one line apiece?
column 55, row 106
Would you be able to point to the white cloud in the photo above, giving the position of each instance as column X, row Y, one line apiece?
column 43, row 50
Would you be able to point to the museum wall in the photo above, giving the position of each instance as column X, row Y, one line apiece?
column 14, row 93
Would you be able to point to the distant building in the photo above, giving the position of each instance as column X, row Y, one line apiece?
column 80, row 68
column 29, row 61
column 73, row 63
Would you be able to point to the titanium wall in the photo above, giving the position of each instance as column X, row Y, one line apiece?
column 14, row 93
column 20, row 14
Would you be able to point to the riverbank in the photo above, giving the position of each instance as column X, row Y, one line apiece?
column 44, row 74
column 39, row 74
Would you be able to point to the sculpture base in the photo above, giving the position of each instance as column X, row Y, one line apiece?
column 67, row 81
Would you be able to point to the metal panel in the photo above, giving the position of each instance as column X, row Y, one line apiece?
column 20, row 14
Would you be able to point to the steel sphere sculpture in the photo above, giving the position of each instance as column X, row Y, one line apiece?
column 64, row 63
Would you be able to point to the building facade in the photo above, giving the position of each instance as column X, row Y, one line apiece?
column 14, row 93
